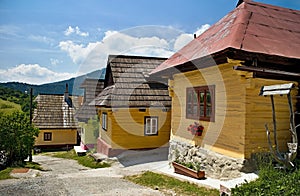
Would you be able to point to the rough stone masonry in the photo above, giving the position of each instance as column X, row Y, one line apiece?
column 215, row 165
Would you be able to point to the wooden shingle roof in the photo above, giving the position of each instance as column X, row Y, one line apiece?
column 53, row 112
column 92, row 88
column 128, row 85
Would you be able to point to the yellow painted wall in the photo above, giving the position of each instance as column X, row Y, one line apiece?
column 59, row 137
column 226, row 134
column 259, row 112
column 126, row 128
column 238, row 129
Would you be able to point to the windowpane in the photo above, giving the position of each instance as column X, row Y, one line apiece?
column 200, row 103
column 208, row 104
column 104, row 121
column 151, row 127
column 201, row 99
column 47, row 136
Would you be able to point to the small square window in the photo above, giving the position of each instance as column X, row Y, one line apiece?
column 47, row 136
column 151, row 125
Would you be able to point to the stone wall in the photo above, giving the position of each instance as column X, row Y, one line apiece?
column 215, row 165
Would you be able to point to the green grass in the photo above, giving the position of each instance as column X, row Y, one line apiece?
column 33, row 165
column 272, row 181
column 165, row 183
column 7, row 107
column 86, row 160
column 5, row 174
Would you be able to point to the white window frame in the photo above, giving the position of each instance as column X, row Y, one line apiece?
column 151, row 125
column 104, row 121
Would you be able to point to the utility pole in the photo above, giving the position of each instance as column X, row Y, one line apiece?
column 30, row 120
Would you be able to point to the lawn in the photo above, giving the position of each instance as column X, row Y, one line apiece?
column 169, row 185
column 7, row 107
column 5, row 174
column 86, row 160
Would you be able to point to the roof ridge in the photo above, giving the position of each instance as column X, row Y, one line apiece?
column 269, row 6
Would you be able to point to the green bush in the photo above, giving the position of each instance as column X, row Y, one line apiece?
column 272, row 181
column 17, row 136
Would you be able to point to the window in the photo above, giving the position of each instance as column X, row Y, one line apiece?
column 47, row 136
column 104, row 121
column 200, row 103
column 151, row 125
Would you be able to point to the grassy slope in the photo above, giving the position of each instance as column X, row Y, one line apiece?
column 7, row 107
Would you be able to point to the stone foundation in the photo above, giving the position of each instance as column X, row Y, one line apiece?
column 215, row 165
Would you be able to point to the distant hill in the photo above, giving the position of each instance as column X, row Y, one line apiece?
column 56, row 87
column 7, row 107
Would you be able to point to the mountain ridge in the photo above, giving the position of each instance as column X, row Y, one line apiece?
column 57, row 87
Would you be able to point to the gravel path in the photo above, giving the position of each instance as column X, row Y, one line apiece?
column 67, row 177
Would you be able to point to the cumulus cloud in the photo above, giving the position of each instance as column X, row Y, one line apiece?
column 32, row 74
column 70, row 30
column 94, row 55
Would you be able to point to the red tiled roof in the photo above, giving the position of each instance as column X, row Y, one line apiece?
column 251, row 27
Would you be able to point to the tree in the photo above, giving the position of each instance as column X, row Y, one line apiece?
column 17, row 136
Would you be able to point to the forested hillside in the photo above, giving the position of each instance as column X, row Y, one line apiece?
column 56, row 87
column 11, row 98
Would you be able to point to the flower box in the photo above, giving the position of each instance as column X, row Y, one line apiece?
column 183, row 170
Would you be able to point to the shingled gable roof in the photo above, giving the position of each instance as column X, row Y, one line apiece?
column 127, row 83
column 269, row 33
column 53, row 112
column 92, row 88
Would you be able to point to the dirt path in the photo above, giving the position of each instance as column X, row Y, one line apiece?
column 67, row 177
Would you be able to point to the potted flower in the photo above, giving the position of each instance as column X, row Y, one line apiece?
column 188, row 169
column 195, row 129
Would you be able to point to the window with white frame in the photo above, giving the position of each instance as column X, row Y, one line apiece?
column 104, row 121
column 151, row 125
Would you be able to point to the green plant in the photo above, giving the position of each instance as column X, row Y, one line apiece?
column 86, row 160
column 271, row 181
column 166, row 184
column 5, row 174
column 17, row 136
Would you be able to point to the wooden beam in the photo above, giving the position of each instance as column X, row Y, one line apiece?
column 270, row 73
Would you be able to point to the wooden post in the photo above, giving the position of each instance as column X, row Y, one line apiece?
column 30, row 120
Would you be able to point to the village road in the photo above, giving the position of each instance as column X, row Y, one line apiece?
column 67, row 177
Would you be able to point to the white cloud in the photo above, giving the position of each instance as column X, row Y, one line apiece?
column 55, row 61
column 32, row 74
column 70, row 30
column 185, row 38
column 202, row 29
column 94, row 55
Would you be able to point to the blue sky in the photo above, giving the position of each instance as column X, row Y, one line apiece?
column 52, row 40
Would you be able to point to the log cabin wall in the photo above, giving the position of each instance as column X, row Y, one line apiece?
column 240, row 114
column 125, row 128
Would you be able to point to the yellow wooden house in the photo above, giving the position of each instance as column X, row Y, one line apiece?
column 54, row 116
column 215, row 80
column 134, row 111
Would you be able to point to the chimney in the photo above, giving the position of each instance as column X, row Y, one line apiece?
column 66, row 95
column 239, row 3
column 195, row 36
